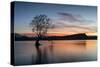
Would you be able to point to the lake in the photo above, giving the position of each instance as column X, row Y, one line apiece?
column 55, row 51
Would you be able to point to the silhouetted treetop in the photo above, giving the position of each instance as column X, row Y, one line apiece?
column 40, row 24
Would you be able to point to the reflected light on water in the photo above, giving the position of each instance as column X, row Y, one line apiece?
column 54, row 51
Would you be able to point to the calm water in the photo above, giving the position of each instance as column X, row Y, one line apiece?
column 54, row 51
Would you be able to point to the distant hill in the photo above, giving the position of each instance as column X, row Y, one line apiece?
column 81, row 36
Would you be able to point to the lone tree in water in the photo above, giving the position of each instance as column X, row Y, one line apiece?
column 40, row 25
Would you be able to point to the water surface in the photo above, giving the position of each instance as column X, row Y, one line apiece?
column 57, row 51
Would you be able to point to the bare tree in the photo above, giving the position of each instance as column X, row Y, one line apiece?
column 40, row 25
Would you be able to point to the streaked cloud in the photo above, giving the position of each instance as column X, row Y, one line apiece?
column 73, row 17
column 74, row 23
column 69, row 17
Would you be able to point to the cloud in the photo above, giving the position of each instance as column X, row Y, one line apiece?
column 74, row 23
column 75, row 27
column 73, row 18
column 69, row 17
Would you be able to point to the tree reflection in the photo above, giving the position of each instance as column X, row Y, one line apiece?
column 38, row 57
column 41, row 56
column 44, row 53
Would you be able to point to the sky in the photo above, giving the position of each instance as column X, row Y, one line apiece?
column 68, row 19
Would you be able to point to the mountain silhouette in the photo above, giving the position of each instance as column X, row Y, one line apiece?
column 80, row 36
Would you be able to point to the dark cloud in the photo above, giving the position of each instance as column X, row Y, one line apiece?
column 73, row 18
column 70, row 17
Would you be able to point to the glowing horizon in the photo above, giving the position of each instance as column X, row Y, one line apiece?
column 58, row 34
